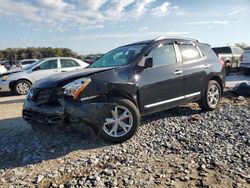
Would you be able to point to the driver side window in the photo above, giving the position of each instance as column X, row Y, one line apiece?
column 50, row 64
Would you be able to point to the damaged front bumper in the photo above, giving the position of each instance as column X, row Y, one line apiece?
column 71, row 113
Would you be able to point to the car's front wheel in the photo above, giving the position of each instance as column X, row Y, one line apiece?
column 22, row 87
column 122, row 122
column 212, row 96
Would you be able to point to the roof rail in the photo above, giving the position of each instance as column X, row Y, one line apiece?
column 172, row 37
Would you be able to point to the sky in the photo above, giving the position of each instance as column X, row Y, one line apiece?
column 97, row 26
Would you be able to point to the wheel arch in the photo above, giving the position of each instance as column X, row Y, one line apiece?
column 12, row 84
column 123, row 94
column 217, row 79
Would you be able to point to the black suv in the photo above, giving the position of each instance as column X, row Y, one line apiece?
column 126, row 83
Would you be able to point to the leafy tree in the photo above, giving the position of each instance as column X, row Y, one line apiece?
column 241, row 45
column 35, row 53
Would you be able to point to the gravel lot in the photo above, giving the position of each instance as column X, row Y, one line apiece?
column 182, row 147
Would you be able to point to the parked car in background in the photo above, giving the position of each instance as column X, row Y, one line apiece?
column 126, row 83
column 230, row 56
column 25, row 62
column 20, row 80
column 245, row 62
column 2, row 69
column 7, row 64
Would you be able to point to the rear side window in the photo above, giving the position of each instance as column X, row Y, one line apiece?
column 189, row 52
column 163, row 55
column 66, row 63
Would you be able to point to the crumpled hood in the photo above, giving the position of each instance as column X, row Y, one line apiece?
column 61, row 78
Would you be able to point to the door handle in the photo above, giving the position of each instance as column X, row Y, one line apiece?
column 207, row 66
column 177, row 72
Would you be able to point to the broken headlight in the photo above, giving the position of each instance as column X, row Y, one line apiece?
column 76, row 87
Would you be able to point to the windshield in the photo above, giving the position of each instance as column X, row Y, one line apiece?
column 33, row 64
column 119, row 56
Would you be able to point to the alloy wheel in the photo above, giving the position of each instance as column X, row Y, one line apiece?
column 120, row 123
column 213, row 95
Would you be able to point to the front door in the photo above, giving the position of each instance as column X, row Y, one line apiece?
column 45, row 69
column 161, row 86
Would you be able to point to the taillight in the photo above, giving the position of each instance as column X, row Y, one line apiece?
column 241, row 57
column 222, row 62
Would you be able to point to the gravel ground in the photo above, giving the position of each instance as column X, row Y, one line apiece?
column 182, row 147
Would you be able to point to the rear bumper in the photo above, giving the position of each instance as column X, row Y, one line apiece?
column 67, row 115
column 4, row 86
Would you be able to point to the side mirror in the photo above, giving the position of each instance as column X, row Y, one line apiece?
column 36, row 68
column 148, row 62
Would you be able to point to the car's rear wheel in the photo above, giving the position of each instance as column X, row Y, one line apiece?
column 122, row 122
column 212, row 96
column 22, row 87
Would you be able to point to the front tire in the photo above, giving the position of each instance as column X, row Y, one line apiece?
column 22, row 87
column 212, row 96
column 122, row 123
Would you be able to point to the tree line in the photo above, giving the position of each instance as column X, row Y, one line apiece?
column 243, row 46
column 14, row 54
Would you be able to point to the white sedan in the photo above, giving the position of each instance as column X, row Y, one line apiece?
column 19, row 80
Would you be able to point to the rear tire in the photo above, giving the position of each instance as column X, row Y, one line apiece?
column 122, row 123
column 22, row 87
column 212, row 96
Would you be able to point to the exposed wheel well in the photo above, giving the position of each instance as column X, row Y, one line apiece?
column 218, row 79
column 228, row 63
column 12, row 84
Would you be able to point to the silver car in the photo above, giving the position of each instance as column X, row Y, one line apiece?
column 245, row 62
column 19, row 80
column 25, row 62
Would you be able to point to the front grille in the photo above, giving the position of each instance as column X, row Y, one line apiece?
column 41, row 117
column 46, row 96
column 42, row 96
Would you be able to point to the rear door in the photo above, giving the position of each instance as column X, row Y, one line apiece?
column 68, row 65
column 161, row 86
column 195, row 68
